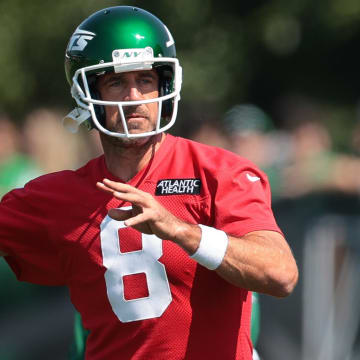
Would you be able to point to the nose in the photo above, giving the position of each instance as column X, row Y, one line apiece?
column 132, row 93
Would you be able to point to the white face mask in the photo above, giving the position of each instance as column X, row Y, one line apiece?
column 123, row 61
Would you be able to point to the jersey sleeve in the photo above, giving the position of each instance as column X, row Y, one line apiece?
column 243, row 201
column 24, row 237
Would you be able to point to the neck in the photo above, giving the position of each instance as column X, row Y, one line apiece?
column 126, row 157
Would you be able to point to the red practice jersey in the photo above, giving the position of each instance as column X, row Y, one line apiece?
column 142, row 297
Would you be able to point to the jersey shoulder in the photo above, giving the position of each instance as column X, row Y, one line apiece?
column 54, row 184
column 215, row 159
column 70, row 177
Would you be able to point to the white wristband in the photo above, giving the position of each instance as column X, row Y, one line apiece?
column 212, row 247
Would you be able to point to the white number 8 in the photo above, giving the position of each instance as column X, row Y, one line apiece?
column 120, row 264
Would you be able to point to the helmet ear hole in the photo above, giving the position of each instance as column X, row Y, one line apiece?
column 100, row 113
column 99, row 109
column 166, row 88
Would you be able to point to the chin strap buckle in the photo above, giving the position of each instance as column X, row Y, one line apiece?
column 75, row 118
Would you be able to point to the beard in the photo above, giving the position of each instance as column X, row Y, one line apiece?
column 140, row 111
column 124, row 143
column 117, row 127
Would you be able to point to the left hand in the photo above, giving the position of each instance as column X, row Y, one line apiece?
column 147, row 215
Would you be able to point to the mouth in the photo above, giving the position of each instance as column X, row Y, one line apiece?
column 136, row 122
column 135, row 116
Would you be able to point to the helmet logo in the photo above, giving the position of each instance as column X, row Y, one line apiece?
column 133, row 54
column 128, row 54
column 80, row 39
column 133, row 59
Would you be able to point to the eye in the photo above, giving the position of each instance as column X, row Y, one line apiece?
column 147, row 80
column 115, row 82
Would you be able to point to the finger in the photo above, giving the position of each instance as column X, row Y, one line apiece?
column 111, row 188
column 128, row 197
column 118, row 186
column 120, row 215
column 135, row 199
column 136, row 220
column 103, row 187
column 122, row 195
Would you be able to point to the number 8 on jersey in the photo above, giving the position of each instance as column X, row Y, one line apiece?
column 118, row 265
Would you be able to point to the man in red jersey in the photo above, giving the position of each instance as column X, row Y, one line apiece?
column 161, row 240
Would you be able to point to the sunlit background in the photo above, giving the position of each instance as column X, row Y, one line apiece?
column 275, row 81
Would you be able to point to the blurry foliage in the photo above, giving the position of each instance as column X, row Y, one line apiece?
column 252, row 51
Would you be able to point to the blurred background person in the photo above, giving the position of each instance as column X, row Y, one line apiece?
column 314, row 163
column 52, row 147
column 252, row 134
column 40, row 146
column 16, row 167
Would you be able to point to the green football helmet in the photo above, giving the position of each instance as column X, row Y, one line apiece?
column 121, row 39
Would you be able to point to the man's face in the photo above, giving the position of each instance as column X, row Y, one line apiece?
column 130, row 86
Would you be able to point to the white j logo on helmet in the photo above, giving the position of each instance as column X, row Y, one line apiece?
column 80, row 39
